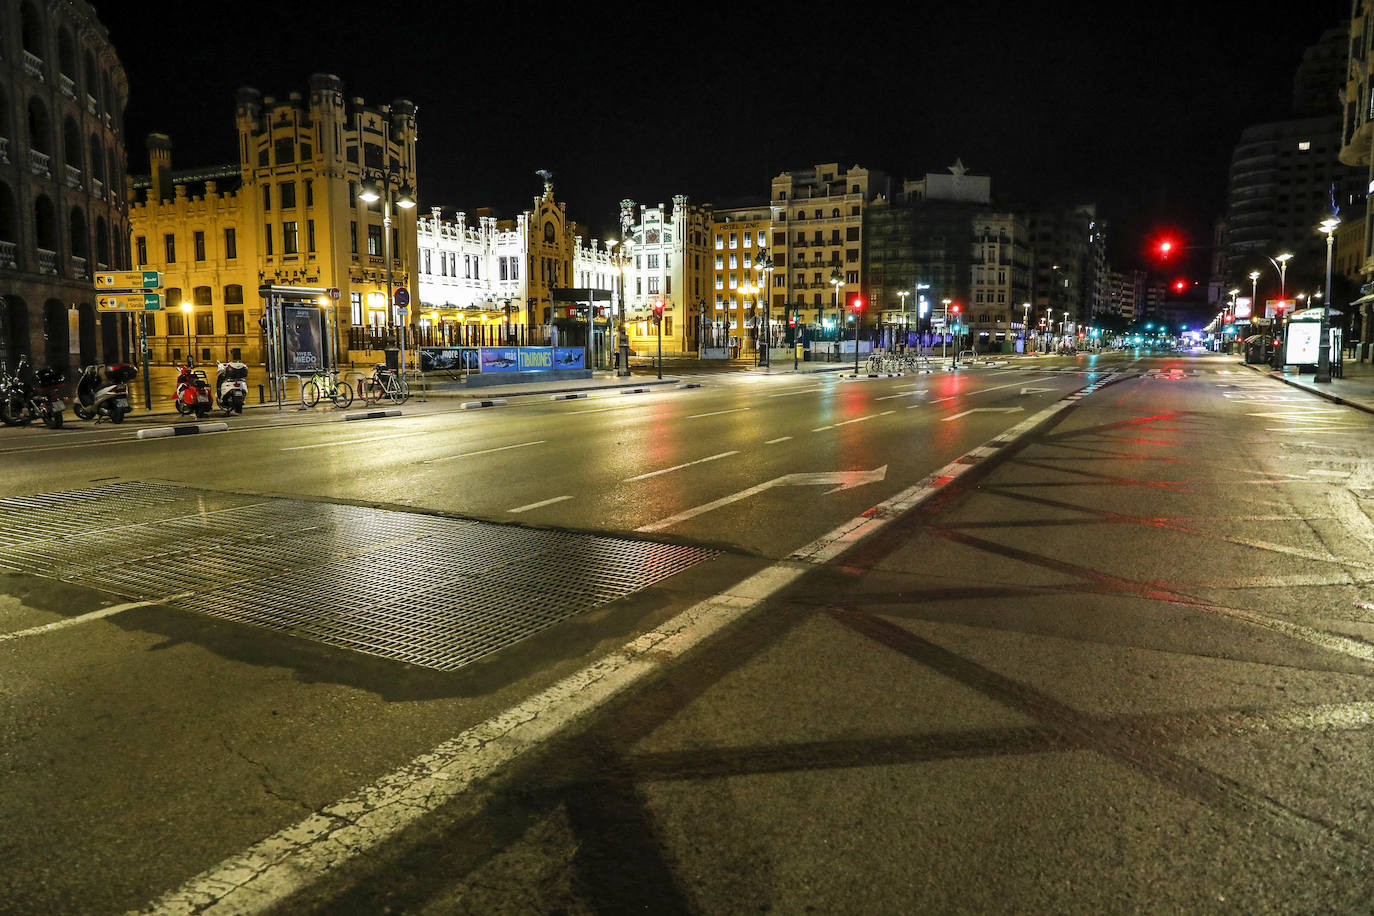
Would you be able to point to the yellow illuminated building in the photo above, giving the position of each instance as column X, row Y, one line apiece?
column 740, row 294
column 288, row 214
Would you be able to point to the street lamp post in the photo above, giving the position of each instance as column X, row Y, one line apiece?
column 764, row 262
column 836, row 280
column 1025, row 327
column 186, row 311
column 902, row 294
column 748, row 289
column 944, row 331
column 1328, row 226
column 620, row 260
column 391, row 184
column 856, row 313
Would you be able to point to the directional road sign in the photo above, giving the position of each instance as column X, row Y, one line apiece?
column 129, row 279
column 129, row 302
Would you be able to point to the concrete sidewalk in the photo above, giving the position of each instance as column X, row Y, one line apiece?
column 1355, row 389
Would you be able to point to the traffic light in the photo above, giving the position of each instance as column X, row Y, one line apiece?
column 955, row 308
column 658, row 310
column 1179, row 286
column 857, row 305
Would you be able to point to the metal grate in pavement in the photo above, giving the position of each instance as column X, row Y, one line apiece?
column 429, row 591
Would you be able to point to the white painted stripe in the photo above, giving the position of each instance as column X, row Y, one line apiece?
column 716, row 413
column 679, row 467
column 486, row 451
column 638, row 406
column 88, row 617
column 788, row 394
column 859, row 419
column 776, row 441
column 540, row 505
column 297, row 448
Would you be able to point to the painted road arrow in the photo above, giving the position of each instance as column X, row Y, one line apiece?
column 983, row 410
column 1035, row 390
column 843, row 480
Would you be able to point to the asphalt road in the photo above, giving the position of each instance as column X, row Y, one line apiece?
column 940, row 642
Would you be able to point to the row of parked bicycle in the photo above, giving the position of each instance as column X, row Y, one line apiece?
column 885, row 361
column 325, row 385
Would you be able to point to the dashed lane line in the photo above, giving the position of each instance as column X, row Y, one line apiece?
column 716, row 413
column 539, row 505
column 678, row 467
column 337, row 442
column 777, row 440
column 486, row 451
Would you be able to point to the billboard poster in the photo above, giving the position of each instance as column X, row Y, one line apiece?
column 500, row 359
column 1301, row 348
column 569, row 358
column 536, row 359
column 449, row 359
column 302, row 338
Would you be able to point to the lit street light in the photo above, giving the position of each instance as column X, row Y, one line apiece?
column 620, row 260
column 375, row 184
column 764, row 263
column 1328, row 226
column 837, row 280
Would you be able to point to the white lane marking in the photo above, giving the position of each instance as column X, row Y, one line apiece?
column 716, row 413
column 788, row 394
column 844, row 480
column 679, row 467
column 297, row 448
column 981, row 410
column 888, row 397
column 486, row 451
column 992, row 388
column 540, row 505
column 85, row 618
column 604, row 409
column 776, row 441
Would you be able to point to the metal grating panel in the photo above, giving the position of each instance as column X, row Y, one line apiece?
column 435, row 592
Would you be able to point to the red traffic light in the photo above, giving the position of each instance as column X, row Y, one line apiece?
column 1230, row 318
column 658, row 307
column 857, row 305
column 1179, row 286
column 955, row 308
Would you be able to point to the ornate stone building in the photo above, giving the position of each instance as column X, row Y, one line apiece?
column 289, row 214
column 63, row 212
column 669, row 253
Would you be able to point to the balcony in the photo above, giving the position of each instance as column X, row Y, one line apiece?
column 79, row 268
column 98, row 188
column 91, row 105
column 67, row 85
column 9, row 255
column 73, row 177
column 33, row 65
column 40, row 164
column 47, row 262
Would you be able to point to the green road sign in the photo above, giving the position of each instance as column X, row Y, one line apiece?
column 128, row 279
column 129, row 302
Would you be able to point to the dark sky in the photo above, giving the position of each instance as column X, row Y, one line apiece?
column 1135, row 108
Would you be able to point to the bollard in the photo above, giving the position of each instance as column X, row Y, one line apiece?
column 261, row 398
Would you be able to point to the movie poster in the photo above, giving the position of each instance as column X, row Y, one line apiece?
column 302, row 338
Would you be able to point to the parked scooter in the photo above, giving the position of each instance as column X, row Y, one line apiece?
column 108, row 398
column 193, row 392
column 27, row 395
column 231, row 386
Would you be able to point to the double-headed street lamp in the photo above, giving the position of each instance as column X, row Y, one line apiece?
column 1323, row 374
column 763, row 262
column 391, row 184
column 837, row 280
column 620, row 260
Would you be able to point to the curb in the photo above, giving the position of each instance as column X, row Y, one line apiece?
column 162, row 432
column 686, row 385
column 455, row 393
column 473, row 405
column 373, row 414
column 1311, row 389
column 567, row 397
column 633, row 390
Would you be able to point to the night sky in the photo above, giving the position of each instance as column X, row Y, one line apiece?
column 1136, row 109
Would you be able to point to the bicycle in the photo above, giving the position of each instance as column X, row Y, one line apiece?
column 383, row 383
column 325, row 383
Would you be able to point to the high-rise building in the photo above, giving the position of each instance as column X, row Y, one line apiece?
column 1122, row 301
column 1357, row 129
column 1070, row 262
column 288, row 214
column 63, row 210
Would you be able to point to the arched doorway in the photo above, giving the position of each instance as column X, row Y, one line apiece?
column 56, row 335
column 14, row 328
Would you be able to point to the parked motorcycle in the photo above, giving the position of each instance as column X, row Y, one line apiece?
column 193, row 392
column 27, row 395
column 108, row 397
column 231, row 386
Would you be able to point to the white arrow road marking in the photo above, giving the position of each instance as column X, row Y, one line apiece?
column 538, row 505
column 678, row 467
column 846, row 480
column 1035, row 390
column 982, row 410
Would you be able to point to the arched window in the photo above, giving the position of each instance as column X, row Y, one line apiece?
column 16, row 327
column 40, row 136
column 102, row 244
column 92, row 77
column 71, row 143
column 66, row 54
column 9, row 216
column 56, row 335
column 80, row 238
column 834, row 212
column 233, row 294
column 45, row 223
column 31, row 29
